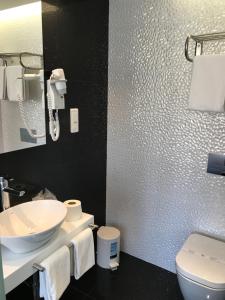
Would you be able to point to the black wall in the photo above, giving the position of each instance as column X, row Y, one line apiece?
column 75, row 34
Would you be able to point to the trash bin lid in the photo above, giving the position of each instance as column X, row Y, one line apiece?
column 108, row 233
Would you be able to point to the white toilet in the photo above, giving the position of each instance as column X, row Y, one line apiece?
column 200, row 268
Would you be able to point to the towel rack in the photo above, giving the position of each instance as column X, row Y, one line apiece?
column 199, row 40
column 42, row 269
column 70, row 246
column 21, row 55
column 39, row 268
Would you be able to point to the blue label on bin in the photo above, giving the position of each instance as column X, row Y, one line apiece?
column 113, row 250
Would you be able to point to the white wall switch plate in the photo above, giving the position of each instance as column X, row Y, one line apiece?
column 74, row 120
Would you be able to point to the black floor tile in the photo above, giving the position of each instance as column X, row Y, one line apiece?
column 86, row 283
column 134, row 280
column 23, row 291
column 72, row 293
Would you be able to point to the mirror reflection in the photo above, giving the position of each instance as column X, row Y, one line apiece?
column 22, row 108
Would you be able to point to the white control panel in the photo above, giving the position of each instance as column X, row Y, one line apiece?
column 74, row 120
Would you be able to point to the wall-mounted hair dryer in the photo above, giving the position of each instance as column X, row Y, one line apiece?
column 56, row 89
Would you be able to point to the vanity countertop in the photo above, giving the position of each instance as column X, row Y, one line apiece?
column 18, row 267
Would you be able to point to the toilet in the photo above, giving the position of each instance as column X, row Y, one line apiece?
column 200, row 266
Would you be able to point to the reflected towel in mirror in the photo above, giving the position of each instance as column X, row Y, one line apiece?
column 15, row 83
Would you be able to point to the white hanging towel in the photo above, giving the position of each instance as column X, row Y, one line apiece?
column 56, row 276
column 15, row 83
column 84, row 254
column 208, row 83
column 2, row 83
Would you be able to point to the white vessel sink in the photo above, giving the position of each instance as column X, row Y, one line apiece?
column 26, row 227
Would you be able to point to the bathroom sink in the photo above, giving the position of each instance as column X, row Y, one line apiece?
column 28, row 226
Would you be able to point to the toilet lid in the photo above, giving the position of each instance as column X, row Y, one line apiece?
column 202, row 259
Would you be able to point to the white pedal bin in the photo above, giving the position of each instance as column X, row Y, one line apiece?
column 108, row 247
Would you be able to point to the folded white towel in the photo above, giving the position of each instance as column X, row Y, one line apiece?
column 84, row 254
column 15, row 83
column 208, row 83
column 56, row 277
column 2, row 83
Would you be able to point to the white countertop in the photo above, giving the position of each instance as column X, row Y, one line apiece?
column 18, row 267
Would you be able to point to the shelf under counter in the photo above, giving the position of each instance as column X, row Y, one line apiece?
column 18, row 267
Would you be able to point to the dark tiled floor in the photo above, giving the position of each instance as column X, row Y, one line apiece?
column 134, row 280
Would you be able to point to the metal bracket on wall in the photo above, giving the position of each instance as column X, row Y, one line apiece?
column 199, row 40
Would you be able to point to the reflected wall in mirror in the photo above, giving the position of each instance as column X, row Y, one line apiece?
column 22, row 105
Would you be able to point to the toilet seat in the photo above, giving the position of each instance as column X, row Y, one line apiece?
column 198, row 283
column 202, row 260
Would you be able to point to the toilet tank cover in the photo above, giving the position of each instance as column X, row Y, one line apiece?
column 202, row 259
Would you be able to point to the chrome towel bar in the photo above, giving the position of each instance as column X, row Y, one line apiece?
column 70, row 246
column 21, row 55
column 42, row 269
column 39, row 268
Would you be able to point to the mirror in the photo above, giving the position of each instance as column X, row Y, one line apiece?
column 22, row 105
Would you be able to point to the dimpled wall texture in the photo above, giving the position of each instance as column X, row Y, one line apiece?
column 158, row 190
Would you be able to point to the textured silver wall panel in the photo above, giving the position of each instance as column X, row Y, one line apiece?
column 158, row 190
